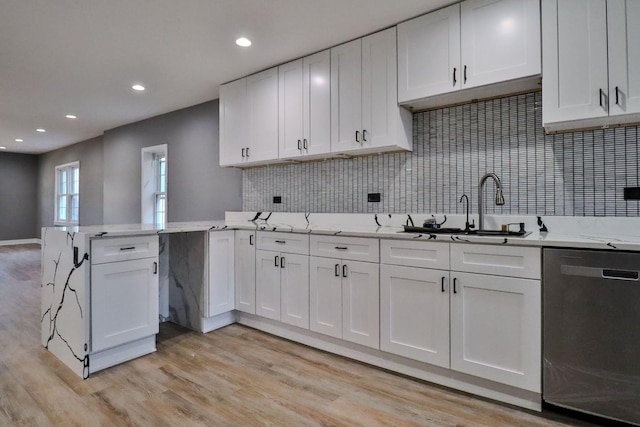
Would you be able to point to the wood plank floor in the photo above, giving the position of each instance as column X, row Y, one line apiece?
column 235, row 376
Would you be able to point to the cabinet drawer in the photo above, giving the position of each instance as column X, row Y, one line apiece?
column 513, row 261
column 283, row 242
column 123, row 248
column 352, row 248
column 415, row 254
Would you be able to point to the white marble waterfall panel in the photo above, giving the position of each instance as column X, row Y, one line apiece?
column 187, row 278
column 163, row 276
column 65, row 316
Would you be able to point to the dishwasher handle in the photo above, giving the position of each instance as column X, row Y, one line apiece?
column 619, row 274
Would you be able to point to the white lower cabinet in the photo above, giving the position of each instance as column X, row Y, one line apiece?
column 282, row 288
column 221, row 294
column 124, row 302
column 245, row 271
column 414, row 313
column 496, row 327
column 345, row 299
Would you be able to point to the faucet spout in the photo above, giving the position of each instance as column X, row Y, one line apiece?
column 499, row 200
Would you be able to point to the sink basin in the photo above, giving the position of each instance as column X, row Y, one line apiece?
column 428, row 230
column 500, row 233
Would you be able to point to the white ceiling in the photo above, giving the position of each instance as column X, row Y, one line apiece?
column 81, row 57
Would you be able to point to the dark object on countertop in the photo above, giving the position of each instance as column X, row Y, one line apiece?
column 543, row 228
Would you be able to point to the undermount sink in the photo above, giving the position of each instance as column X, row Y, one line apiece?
column 431, row 230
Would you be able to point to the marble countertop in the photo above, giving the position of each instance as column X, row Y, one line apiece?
column 574, row 232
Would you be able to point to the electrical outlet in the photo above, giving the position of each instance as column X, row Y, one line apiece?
column 277, row 199
column 632, row 193
column 373, row 197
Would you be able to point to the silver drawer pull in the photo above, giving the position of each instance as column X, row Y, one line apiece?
column 281, row 241
column 342, row 248
column 128, row 248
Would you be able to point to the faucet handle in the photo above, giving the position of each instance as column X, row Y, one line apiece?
column 473, row 224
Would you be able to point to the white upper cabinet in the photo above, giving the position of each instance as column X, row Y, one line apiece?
column 575, row 60
column 365, row 117
column 249, row 120
column 305, row 107
column 500, row 40
column 234, row 135
column 262, row 92
column 429, row 54
column 591, row 63
column 346, row 96
column 623, row 17
column 470, row 45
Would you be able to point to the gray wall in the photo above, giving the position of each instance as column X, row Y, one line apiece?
column 574, row 173
column 18, row 196
column 197, row 187
column 89, row 154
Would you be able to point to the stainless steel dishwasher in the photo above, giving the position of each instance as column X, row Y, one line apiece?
column 591, row 332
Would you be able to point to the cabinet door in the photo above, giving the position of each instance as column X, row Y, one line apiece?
column 500, row 40
column 429, row 54
column 291, row 115
column 361, row 303
column 623, row 18
column 234, row 135
column 245, row 272
column 574, row 45
column 317, row 103
column 294, row 289
column 262, row 95
column 268, row 284
column 221, row 272
column 346, row 96
column 124, row 302
column 325, row 296
column 495, row 329
column 414, row 313
column 379, row 89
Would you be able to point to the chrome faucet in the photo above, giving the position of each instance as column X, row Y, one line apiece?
column 499, row 196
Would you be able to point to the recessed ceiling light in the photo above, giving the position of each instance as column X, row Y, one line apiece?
column 3, row 148
column 71, row 116
column 139, row 88
column 40, row 130
column 19, row 140
column 243, row 42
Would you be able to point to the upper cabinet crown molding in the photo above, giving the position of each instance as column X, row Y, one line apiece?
column 591, row 76
column 474, row 49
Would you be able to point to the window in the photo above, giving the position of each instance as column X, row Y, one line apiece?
column 160, row 211
column 154, row 185
column 67, row 202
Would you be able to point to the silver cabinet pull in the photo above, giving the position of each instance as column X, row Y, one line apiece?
column 281, row 262
column 442, row 284
column 337, row 270
column 455, row 290
column 128, row 248
column 304, row 144
column 341, row 248
column 250, row 239
column 364, row 135
column 276, row 261
column 344, row 270
column 155, row 268
column 243, row 152
column 281, row 241
column 465, row 74
column 604, row 104
column 357, row 136
column 617, row 95
column 299, row 145
column 247, row 151
column 454, row 76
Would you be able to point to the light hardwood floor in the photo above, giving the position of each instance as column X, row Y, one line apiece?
column 235, row 376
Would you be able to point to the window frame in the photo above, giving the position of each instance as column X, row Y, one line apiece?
column 150, row 184
column 69, row 194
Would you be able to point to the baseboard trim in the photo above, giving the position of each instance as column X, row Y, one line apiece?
column 20, row 242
